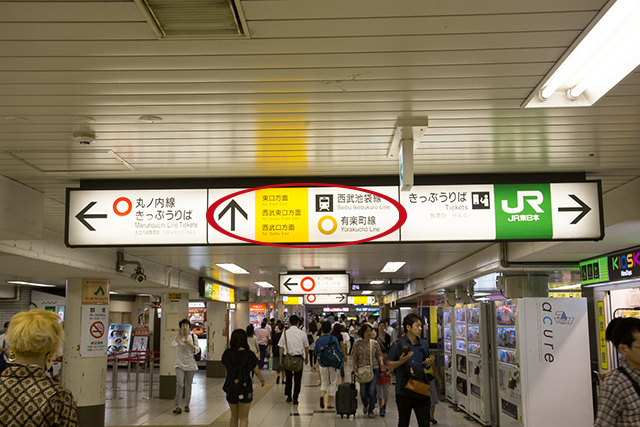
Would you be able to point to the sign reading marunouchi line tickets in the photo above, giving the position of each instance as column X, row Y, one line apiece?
column 309, row 214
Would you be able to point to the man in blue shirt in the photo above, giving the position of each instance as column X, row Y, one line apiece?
column 417, row 358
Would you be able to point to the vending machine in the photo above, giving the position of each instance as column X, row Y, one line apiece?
column 543, row 365
column 449, row 363
column 462, row 384
column 479, row 362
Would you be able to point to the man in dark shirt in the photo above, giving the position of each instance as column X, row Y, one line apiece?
column 417, row 358
column 619, row 400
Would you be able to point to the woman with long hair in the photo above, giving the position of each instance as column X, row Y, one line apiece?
column 275, row 351
column 239, row 362
column 367, row 352
column 27, row 396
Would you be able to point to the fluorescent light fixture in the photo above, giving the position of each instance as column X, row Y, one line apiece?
column 562, row 288
column 607, row 54
column 19, row 282
column 392, row 267
column 482, row 299
column 112, row 292
column 376, row 282
column 367, row 292
column 264, row 284
column 233, row 268
column 481, row 294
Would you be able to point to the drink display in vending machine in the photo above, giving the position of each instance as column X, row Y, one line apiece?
column 543, row 362
column 449, row 363
column 462, row 385
column 478, row 371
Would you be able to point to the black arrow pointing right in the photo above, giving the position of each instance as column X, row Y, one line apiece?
column 287, row 284
column 341, row 298
column 583, row 209
column 233, row 206
column 82, row 216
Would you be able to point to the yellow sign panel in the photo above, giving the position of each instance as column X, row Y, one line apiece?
column 281, row 215
column 175, row 297
column 292, row 300
column 602, row 327
column 95, row 291
column 565, row 294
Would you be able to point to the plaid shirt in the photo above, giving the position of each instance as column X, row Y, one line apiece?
column 619, row 404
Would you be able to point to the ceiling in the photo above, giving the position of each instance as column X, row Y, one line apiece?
column 316, row 90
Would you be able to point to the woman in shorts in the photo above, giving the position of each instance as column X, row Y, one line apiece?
column 238, row 351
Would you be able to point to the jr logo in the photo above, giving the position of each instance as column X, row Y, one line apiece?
column 534, row 198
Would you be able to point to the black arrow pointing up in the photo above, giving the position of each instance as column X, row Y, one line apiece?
column 233, row 206
column 583, row 209
column 82, row 216
column 287, row 284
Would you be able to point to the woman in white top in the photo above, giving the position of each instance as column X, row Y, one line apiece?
column 185, row 366
column 252, row 340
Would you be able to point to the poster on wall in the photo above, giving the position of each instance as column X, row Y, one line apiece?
column 119, row 340
column 93, row 337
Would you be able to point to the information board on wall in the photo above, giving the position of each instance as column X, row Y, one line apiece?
column 329, row 215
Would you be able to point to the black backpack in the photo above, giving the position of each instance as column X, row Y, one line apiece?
column 238, row 382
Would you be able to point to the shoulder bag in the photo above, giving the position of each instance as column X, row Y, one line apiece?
column 290, row 362
column 198, row 354
column 414, row 382
column 364, row 374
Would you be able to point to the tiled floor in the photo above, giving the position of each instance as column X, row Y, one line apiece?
column 209, row 407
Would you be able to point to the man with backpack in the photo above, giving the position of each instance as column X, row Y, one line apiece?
column 619, row 400
column 293, row 343
column 330, row 358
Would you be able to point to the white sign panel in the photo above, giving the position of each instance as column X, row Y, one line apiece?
column 305, row 284
column 314, row 299
column 453, row 212
column 576, row 212
column 236, row 215
column 137, row 217
column 345, row 215
column 93, row 335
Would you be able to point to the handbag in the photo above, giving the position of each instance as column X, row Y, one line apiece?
column 198, row 354
column 364, row 374
column 414, row 383
column 290, row 362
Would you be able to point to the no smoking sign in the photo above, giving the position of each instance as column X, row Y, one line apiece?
column 97, row 330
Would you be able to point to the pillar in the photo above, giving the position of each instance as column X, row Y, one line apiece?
column 174, row 309
column 86, row 377
column 280, row 309
column 216, row 343
column 242, row 315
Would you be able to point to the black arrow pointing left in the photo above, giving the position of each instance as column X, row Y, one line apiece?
column 583, row 209
column 83, row 216
column 287, row 284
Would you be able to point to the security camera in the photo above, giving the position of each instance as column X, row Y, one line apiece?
column 138, row 275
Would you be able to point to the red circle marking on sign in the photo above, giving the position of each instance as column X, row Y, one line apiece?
column 129, row 206
column 97, row 330
column 311, row 298
column 313, row 284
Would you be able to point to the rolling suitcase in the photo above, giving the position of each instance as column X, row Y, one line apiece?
column 347, row 399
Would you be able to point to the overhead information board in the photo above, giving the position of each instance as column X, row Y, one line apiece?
column 313, row 284
column 314, row 299
column 327, row 215
column 217, row 292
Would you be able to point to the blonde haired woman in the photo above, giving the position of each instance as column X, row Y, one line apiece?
column 28, row 397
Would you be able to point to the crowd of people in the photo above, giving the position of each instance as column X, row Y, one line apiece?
column 33, row 340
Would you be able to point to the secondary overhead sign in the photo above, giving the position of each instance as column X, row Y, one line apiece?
column 313, row 284
column 321, row 214
column 315, row 299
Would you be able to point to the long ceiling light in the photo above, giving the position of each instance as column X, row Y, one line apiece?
column 19, row 282
column 392, row 267
column 233, row 268
column 606, row 55
column 264, row 284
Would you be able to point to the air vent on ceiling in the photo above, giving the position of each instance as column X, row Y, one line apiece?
column 195, row 19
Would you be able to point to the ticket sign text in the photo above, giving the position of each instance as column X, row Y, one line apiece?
column 313, row 284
